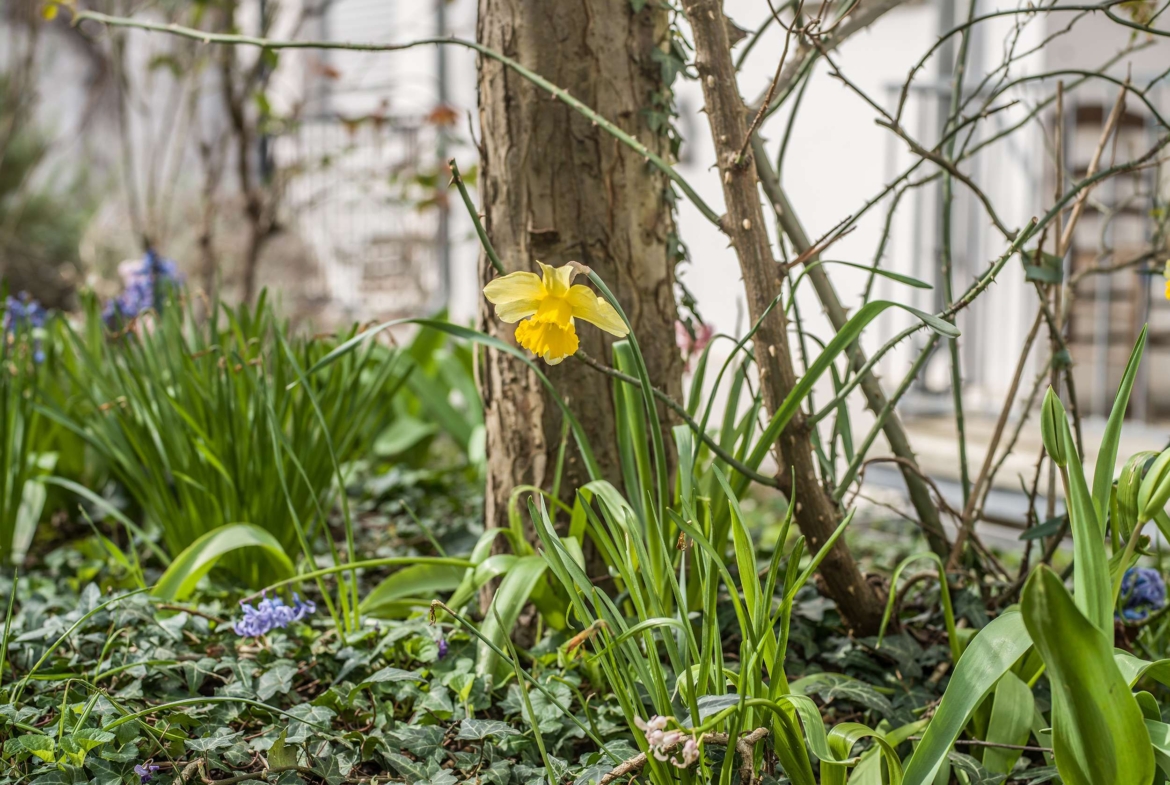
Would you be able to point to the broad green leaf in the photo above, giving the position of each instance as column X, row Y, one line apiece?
column 281, row 754
column 1010, row 723
column 199, row 557
column 1160, row 742
column 1133, row 668
column 419, row 580
column 1098, row 732
column 35, row 743
column 1092, row 587
column 489, row 341
column 88, row 738
column 1107, row 454
column 988, row 656
column 510, row 598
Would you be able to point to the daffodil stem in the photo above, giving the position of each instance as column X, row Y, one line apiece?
column 492, row 256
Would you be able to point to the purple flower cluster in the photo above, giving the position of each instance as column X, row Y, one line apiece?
column 145, row 287
column 145, row 773
column 1142, row 592
column 271, row 613
column 24, row 312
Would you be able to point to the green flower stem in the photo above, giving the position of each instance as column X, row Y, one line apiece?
column 492, row 256
column 394, row 561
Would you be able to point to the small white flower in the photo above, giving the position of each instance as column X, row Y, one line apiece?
column 690, row 754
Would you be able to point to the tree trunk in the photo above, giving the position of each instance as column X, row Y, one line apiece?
column 556, row 189
column 816, row 513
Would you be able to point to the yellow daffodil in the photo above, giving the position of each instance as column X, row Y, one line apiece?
column 1166, row 275
column 553, row 303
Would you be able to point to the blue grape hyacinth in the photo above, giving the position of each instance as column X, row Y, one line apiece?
column 1142, row 592
column 145, row 288
column 270, row 614
column 25, row 312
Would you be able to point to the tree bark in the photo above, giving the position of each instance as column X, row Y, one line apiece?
column 816, row 513
column 556, row 189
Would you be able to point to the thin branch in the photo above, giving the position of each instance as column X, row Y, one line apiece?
column 538, row 80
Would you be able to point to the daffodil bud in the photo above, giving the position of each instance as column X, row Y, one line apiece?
column 1052, row 422
column 1155, row 488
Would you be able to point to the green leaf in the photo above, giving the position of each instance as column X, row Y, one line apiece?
column 833, row 686
column 386, row 675
column 1010, row 723
column 401, row 435
column 1047, row 529
column 1135, row 668
column 1107, row 454
column 989, row 655
column 845, row 337
column 1160, row 742
column 512, row 595
column 1092, row 587
column 199, row 557
column 36, row 744
column 88, row 738
column 277, row 678
column 1042, row 267
column 477, row 730
column 280, row 754
column 1098, row 732
column 419, row 580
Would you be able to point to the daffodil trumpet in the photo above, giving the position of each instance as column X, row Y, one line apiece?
column 547, row 307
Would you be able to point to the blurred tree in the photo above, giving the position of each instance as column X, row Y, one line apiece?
column 43, row 212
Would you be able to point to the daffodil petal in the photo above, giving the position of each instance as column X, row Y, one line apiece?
column 515, row 310
column 590, row 308
column 518, row 286
column 557, row 280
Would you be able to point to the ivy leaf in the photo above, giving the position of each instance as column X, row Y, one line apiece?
column 976, row 774
column 318, row 715
column 37, row 744
column 280, row 755
column 412, row 771
column 477, row 730
column 837, row 686
column 222, row 739
column 277, row 679
column 385, row 676
column 88, row 738
column 421, row 741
